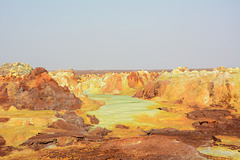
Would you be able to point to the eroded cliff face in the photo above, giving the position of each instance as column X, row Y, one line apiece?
column 37, row 91
column 67, row 78
column 114, row 83
column 220, row 87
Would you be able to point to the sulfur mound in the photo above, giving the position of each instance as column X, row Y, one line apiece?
column 17, row 69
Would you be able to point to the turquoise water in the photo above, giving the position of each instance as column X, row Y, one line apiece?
column 120, row 109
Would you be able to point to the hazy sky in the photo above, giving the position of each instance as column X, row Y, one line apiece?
column 120, row 34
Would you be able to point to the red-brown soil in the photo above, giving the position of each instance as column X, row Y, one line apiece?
column 216, row 122
column 144, row 147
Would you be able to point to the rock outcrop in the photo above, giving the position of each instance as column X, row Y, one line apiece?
column 16, row 69
column 121, row 126
column 71, row 118
column 67, row 79
column 216, row 122
column 93, row 119
column 116, row 83
column 4, row 150
column 37, row 91
column 220, row 87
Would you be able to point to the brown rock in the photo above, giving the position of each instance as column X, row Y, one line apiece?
column 191, row 137
column 71, row 118
column 60, row 124
column 139, row 93
column 37, row 71
column 56, row 139
column 65, row 141
column 93, row 119
column 2, row 141
column 152, row 89
column 216, row 122
column 5, row 150
column 229, row 127
column 160, row 87
column 3, row 93
column 134, row 148
column 164, row 109
column 148, row 91
column 121, row 126
column 5, row 119
column 215, row 114
column 3, row 86
column 153, row 147
column 133, row 79
column 180, row 101
column 38, row 91
column 100, row 132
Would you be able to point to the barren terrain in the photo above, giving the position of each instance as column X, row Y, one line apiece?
column 156, row 114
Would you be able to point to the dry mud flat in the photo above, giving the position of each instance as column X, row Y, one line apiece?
column 48, row 116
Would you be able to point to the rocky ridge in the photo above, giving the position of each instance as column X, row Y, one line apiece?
column 37, row 91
